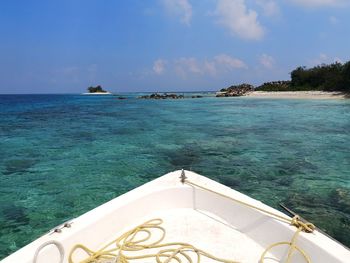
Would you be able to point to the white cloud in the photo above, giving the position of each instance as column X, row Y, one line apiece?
column 229, row 62
column 190, row 64
column 270, row 7
column 220, row 63
column 181, row 8
column 320, row 3
column 183, row 66
column 333, row 20
column 267, row 61
column 338, row 60
column 323, row 56
column 186, row 66
column 323, row 59
column 210, row 67
column 241, row 21
column 159, row 66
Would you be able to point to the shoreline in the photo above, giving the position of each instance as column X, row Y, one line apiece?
column 97, row 93
column 296, row 95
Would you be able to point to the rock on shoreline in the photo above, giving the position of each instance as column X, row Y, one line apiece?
column 157, row 96
column 235, row 91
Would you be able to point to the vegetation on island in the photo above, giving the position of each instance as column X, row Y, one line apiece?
column 332, row 77
column 282, row 85
column 98, row 88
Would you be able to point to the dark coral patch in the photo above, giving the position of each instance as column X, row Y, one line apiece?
column 185, row 157
column 14, row 213
column 18, row 166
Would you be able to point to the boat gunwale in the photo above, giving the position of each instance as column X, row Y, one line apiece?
column 164, row 183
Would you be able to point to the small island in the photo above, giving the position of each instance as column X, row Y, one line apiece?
column 98, row 90
column 320, row 82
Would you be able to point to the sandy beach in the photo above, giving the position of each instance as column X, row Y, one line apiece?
column 296, row 94
column 97, row 93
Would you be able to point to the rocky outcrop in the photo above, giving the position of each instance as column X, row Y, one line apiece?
column 157, row 96
column 235, row 91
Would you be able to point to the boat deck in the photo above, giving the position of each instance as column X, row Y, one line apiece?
column 205, row 232
column 205, row 214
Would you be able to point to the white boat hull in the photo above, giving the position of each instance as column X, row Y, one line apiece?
column 208, row 221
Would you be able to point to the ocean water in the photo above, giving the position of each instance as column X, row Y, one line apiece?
column 62, row 155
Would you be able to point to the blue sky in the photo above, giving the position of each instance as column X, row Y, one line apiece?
column 164, row 45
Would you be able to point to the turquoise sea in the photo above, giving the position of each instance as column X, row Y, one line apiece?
column 62, row 155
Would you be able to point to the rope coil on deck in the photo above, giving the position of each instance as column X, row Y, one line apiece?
column 301, row 226
column 130, row 242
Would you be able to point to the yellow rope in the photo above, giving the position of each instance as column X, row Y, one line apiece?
column 177, row 251
column 132, row 242
column 282, row 218
column 292, row 248
column 295, row 221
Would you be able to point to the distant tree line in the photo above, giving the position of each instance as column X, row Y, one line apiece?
column 332, row 77
column 96, row 89
column 282, row 85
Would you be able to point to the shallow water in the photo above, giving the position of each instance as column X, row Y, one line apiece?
column 62, row 155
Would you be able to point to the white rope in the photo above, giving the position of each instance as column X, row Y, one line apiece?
column 51, row 242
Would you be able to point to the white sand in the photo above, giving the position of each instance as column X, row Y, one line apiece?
column 97, row 93
column 296, row 94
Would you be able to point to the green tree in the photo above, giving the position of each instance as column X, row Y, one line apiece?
column 332, row 77
column 98, row 88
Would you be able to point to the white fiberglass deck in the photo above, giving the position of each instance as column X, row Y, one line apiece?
column 204, row 219
column 205, row 232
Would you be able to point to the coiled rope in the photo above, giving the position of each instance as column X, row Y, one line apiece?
column 295, row 221
column 139, row 239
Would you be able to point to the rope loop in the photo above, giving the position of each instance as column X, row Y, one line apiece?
column 47, row 243
column 296, row 221
column 304, row 226
column 140, row 239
